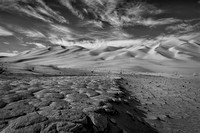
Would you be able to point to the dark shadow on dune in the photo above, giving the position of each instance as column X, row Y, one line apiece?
column 112, row 48
column 24, row 60
column 140, row 69
column 130, row 118
column 3, row 56
column 44, row 53
column 197, row 43
column 62, row 52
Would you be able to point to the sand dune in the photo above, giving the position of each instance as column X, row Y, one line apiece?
column 167, row 56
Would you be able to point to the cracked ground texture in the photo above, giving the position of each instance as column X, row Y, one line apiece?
column 101, row 103
column 172, row 103
column 66, row 104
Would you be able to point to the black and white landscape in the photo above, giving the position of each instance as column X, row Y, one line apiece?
column 89, row 66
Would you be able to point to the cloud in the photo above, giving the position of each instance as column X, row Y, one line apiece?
column 7, row 43
column 62, row 42
column 92, row 24
column 39, row 45
column 112, row 34
column 59, row 34
column 117, row 13
column 4, row 32
column 37, row 9
column 152, row 22
column 184, row 27
column 31, row 33
column 92, row 20
column 59, row 31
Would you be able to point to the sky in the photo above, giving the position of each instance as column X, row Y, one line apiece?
column 30, row 24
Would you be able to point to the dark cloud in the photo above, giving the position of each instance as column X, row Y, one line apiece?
column 117, row 13
column 33, row 8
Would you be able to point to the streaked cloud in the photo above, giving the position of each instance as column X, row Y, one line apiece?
column 34, row 34
column 4, row 32
column 62, row 32
column 91, row 23
column 152, row 22
column 112, row 34
column 40, row 11
column 38, row 45
column 40, row 23
column 7, row 43
column 29, row 32
column 184, row 27
column 115, row 12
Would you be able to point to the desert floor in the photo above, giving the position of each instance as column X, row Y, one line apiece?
column 172, row 103
column 98, row 102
